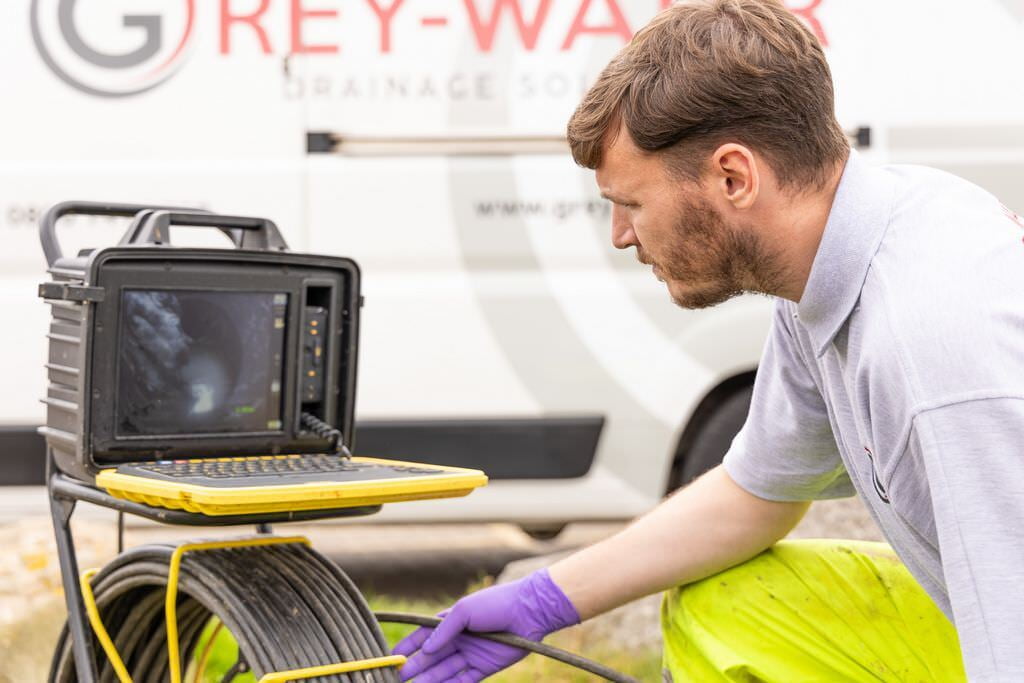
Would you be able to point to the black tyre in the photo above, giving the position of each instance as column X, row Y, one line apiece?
column 705, row 444
column 548, row 532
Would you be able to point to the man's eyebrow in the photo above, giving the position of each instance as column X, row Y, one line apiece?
column 612, row 198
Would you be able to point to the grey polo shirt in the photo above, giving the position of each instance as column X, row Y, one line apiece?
column 900, row 377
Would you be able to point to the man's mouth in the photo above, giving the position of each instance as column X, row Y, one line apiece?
column 647, row 262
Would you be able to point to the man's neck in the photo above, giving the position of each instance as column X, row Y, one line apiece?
column 800, row 229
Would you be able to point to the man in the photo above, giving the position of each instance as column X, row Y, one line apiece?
column 894, row 370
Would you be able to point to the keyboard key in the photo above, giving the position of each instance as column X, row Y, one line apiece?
column 275, row 470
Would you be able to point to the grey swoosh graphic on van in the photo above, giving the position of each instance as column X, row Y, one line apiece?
column 1014, row 7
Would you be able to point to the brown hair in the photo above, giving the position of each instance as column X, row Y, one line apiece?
column 714, row 71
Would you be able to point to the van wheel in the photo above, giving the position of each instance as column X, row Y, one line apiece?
column 544, row 533
column 704, row 448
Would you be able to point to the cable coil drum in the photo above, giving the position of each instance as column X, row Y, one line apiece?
column 286, row 605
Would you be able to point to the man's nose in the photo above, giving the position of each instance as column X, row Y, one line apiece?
column 623, row 236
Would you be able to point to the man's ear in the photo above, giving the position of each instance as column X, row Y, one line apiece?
column 735, row 174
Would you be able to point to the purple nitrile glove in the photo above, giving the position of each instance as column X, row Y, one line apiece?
column 531, row 607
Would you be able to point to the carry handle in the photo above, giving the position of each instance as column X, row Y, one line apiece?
column 48, row 223
column 246, row 232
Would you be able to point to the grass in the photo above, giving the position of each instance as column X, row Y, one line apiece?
column 645, row 666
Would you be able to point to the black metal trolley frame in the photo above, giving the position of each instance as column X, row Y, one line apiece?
column 65, row 493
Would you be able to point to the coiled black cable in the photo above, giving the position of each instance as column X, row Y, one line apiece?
column 287, row 606
column 332, row 435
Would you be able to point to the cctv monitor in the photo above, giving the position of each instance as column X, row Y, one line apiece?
column 200, row 362
column 160, row 352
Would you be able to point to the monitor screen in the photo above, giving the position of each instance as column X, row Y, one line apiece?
column 200, row 362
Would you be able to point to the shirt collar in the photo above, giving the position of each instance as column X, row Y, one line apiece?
column 856, row 224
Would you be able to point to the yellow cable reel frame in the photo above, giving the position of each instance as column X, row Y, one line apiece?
column 170, row 611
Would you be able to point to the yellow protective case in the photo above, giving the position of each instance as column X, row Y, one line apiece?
column 208, row 500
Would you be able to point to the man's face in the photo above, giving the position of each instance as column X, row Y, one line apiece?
column 676, row 228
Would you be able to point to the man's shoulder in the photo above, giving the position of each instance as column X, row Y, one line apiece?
column 933, row 199
column 945, row 290
column 915, row 181
column 945, row 333
column 947, row 239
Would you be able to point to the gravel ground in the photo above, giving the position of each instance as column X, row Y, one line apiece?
column 31, row 600
column 844, row 518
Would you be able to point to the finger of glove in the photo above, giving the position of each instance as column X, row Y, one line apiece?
column 412, row 642
column 445, row 670
column 470, row 676
column 452, row 625
column 419, row 663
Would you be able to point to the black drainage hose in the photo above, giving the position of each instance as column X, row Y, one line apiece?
column 517, row 641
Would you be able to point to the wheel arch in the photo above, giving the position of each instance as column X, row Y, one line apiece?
column 699, row 418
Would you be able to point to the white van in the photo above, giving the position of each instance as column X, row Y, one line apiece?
column 425, row 138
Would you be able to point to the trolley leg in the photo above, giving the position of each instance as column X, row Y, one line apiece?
column 78, row 625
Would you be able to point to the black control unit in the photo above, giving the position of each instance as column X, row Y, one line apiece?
column 187, row 352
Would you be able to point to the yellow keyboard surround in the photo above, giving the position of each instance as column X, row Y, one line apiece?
column 216, row 501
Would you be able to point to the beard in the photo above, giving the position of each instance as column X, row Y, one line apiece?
column 706, row 262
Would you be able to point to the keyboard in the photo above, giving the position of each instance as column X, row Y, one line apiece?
column 283, row 483
column 272, row 470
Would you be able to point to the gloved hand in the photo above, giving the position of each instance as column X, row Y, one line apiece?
column 531, row 607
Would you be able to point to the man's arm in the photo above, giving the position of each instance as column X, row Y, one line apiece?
column 709, row 526
column 785, row 451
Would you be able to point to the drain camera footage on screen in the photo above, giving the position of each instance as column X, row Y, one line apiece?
column 200, row 361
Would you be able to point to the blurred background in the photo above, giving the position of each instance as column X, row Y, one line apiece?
column 425, row 139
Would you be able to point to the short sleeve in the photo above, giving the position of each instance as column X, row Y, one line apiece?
column 973, row 453
column 786, row 450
